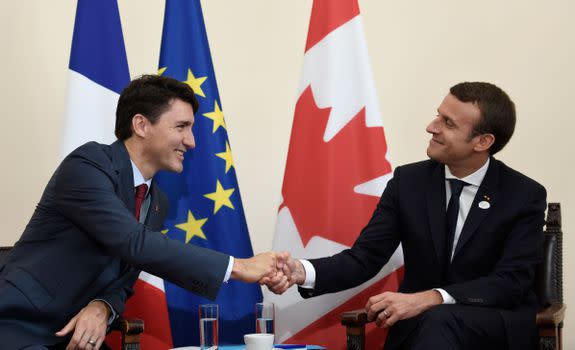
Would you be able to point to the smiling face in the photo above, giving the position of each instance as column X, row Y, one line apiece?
column 452, row 142
column 169, row 138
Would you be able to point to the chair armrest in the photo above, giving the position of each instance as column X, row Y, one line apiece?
column 552, row 315
column 354, row 318
column 130, row 330
column 354, row 322
column 128, row 325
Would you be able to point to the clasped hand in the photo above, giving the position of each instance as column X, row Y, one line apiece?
column 262, row 268
column 290, row 271
column 278, row 271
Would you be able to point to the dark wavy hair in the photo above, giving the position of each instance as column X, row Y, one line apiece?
column 149, row 95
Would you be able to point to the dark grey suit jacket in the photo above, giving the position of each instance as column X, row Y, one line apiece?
column 84, row 243
column 494, row 260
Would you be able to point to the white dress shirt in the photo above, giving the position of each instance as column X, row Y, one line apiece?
column 465, row 201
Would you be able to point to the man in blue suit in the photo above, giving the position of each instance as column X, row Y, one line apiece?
column 97, row 225
column 470, row 229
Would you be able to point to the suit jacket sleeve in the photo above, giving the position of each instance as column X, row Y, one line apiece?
column 85, row 188
column 373, row 248
column 117, row 295
column 512, row 276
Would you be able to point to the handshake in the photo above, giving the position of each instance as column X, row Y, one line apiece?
column 278, row 271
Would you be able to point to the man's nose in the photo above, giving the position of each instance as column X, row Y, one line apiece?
column 433, row 128
column 190, row 141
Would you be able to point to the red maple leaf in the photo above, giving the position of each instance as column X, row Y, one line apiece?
column 320, row 176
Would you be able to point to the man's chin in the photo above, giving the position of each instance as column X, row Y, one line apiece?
column 176, row 168
column 433, row 155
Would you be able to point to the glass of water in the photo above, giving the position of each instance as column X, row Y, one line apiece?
column 265, row 318
column 208, row 326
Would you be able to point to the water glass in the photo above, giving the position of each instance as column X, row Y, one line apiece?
column 265, row 318
column 208, row 326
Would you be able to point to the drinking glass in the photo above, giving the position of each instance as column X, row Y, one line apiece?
column 208, row 326
column 265, row 318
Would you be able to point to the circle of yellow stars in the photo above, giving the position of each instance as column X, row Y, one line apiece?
column 221, row 196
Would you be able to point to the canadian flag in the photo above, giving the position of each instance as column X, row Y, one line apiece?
column 337, row 167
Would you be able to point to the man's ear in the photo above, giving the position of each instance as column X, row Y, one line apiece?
column 140, row 125
column 484, row 142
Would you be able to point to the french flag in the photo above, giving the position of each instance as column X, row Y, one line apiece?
column 98, row 74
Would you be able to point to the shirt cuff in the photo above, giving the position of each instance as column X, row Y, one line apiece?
column 447, row 298
column 229, row 270
column 309, row 282
column 113, row 313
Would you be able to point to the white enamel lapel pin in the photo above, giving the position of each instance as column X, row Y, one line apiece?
column 484, row 204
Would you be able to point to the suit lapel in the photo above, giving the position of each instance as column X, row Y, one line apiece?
column 487, row 192
column 436, row 209
column 123, row 168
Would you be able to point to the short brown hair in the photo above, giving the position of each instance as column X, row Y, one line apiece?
column 497, row 111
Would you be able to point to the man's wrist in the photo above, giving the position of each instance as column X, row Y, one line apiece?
column 433, row 298
column 299, row 273
column 107, row 309
column 306, row 276
column 238, row 269
column 446, row 298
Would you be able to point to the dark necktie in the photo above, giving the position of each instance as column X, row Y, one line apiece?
column 451, row 215
column 140, row 196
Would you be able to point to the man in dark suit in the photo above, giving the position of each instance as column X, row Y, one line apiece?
column 471, row 232
column 97, row 224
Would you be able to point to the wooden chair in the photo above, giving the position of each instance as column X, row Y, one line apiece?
column 548, row 286
column 130, row 329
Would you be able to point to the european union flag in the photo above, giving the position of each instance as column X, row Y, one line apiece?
column 205, row 204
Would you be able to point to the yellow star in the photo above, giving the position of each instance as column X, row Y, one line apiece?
column 227, row 156
column 164, row 231
column 217, row 116
column 196, row 83
column 193, row 227
column 221, row 197
column 162, row 70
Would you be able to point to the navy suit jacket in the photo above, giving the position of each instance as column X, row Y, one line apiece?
column 84, row 243
column 494, row 261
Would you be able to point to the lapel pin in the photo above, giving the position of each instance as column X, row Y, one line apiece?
column 484, row 205
column 157, row 208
